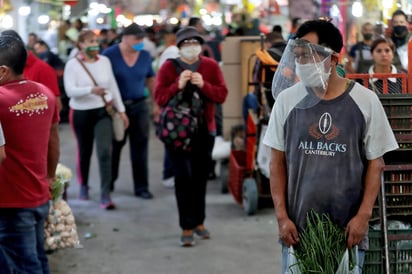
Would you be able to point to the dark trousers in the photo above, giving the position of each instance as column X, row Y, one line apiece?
column 138, row 133
column 22, row 240
column 90, row 125
column 167, row 166
column 191, row 178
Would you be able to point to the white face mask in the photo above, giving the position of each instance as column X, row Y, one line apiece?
column 190, row 52
column 313, row 74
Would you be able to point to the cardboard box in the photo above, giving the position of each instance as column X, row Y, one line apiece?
column 231, row 53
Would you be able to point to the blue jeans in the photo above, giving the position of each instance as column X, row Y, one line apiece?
column 285, row 263
column 22, row 240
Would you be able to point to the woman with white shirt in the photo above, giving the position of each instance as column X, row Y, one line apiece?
column 382, row 51
column 88, row 116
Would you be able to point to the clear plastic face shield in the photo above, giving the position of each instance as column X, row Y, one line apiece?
column 307, row 66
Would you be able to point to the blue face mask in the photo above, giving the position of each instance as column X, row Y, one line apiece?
column 138, row 46
column 43, row 55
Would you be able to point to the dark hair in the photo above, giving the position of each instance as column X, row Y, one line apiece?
column 34, row 35
column 134, row 29
column 42, row 43
column 103, row 31
column 400, row 12
column 277, row 28
column 193, row 21
column 381, row 40
column 328, row 35
column 13, row 53
column 296, row 21
column 273, row 37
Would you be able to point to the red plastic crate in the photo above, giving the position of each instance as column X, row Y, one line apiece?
column 237, row 172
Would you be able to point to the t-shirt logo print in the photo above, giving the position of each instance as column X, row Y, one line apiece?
column 33, row 104
column 324, row 128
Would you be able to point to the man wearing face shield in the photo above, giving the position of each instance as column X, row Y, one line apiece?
column 192, row 73
column 400, row 37
column 132, row 67
column 327, row 135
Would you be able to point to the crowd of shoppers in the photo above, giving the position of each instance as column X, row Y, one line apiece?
column 117, row 69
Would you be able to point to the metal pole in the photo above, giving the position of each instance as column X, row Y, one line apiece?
column 384, row 226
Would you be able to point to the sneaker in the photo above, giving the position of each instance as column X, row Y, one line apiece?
column 106, row 203
column 84, row 193
column 202, row 232
column 169, row 182
column 187, row 239
column 144, row 195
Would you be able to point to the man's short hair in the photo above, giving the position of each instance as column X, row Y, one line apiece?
column 328, row 35
column 273, row 37
column 400, row 12
column 193, row 21
column 277, row 28
column 13, row 53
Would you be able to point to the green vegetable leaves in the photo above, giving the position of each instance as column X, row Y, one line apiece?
column 322, row 245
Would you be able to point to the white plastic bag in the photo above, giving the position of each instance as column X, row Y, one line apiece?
column 292, row 263
column 344, row 264
column 221, row 149
column 343, row 268
column 118, row 126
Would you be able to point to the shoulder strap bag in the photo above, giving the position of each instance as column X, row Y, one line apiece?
column 117, row 121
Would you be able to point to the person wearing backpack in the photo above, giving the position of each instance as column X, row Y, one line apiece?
column 191, row 75
column 360, row 58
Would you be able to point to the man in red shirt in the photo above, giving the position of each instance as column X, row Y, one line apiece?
column 39, row 71
column 29, row 117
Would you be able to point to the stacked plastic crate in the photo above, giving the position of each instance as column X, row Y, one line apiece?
column 398, row 192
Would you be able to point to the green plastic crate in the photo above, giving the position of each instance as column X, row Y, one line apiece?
column 400, row 252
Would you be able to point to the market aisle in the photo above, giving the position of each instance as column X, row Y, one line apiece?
column 142, row 236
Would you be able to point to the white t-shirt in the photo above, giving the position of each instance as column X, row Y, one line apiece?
column 170, row 52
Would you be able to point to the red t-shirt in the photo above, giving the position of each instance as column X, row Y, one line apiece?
column 27, row 112
column 39, row 71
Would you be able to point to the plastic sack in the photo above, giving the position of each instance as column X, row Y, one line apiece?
column 343, row 268
column 60, row 229
column 292, row 263
column 118, row 126
column 221, row 149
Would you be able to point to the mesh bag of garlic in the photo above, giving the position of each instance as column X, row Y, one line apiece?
column 60, row 227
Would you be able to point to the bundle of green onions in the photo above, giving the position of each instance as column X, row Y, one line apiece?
column 322, row 245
